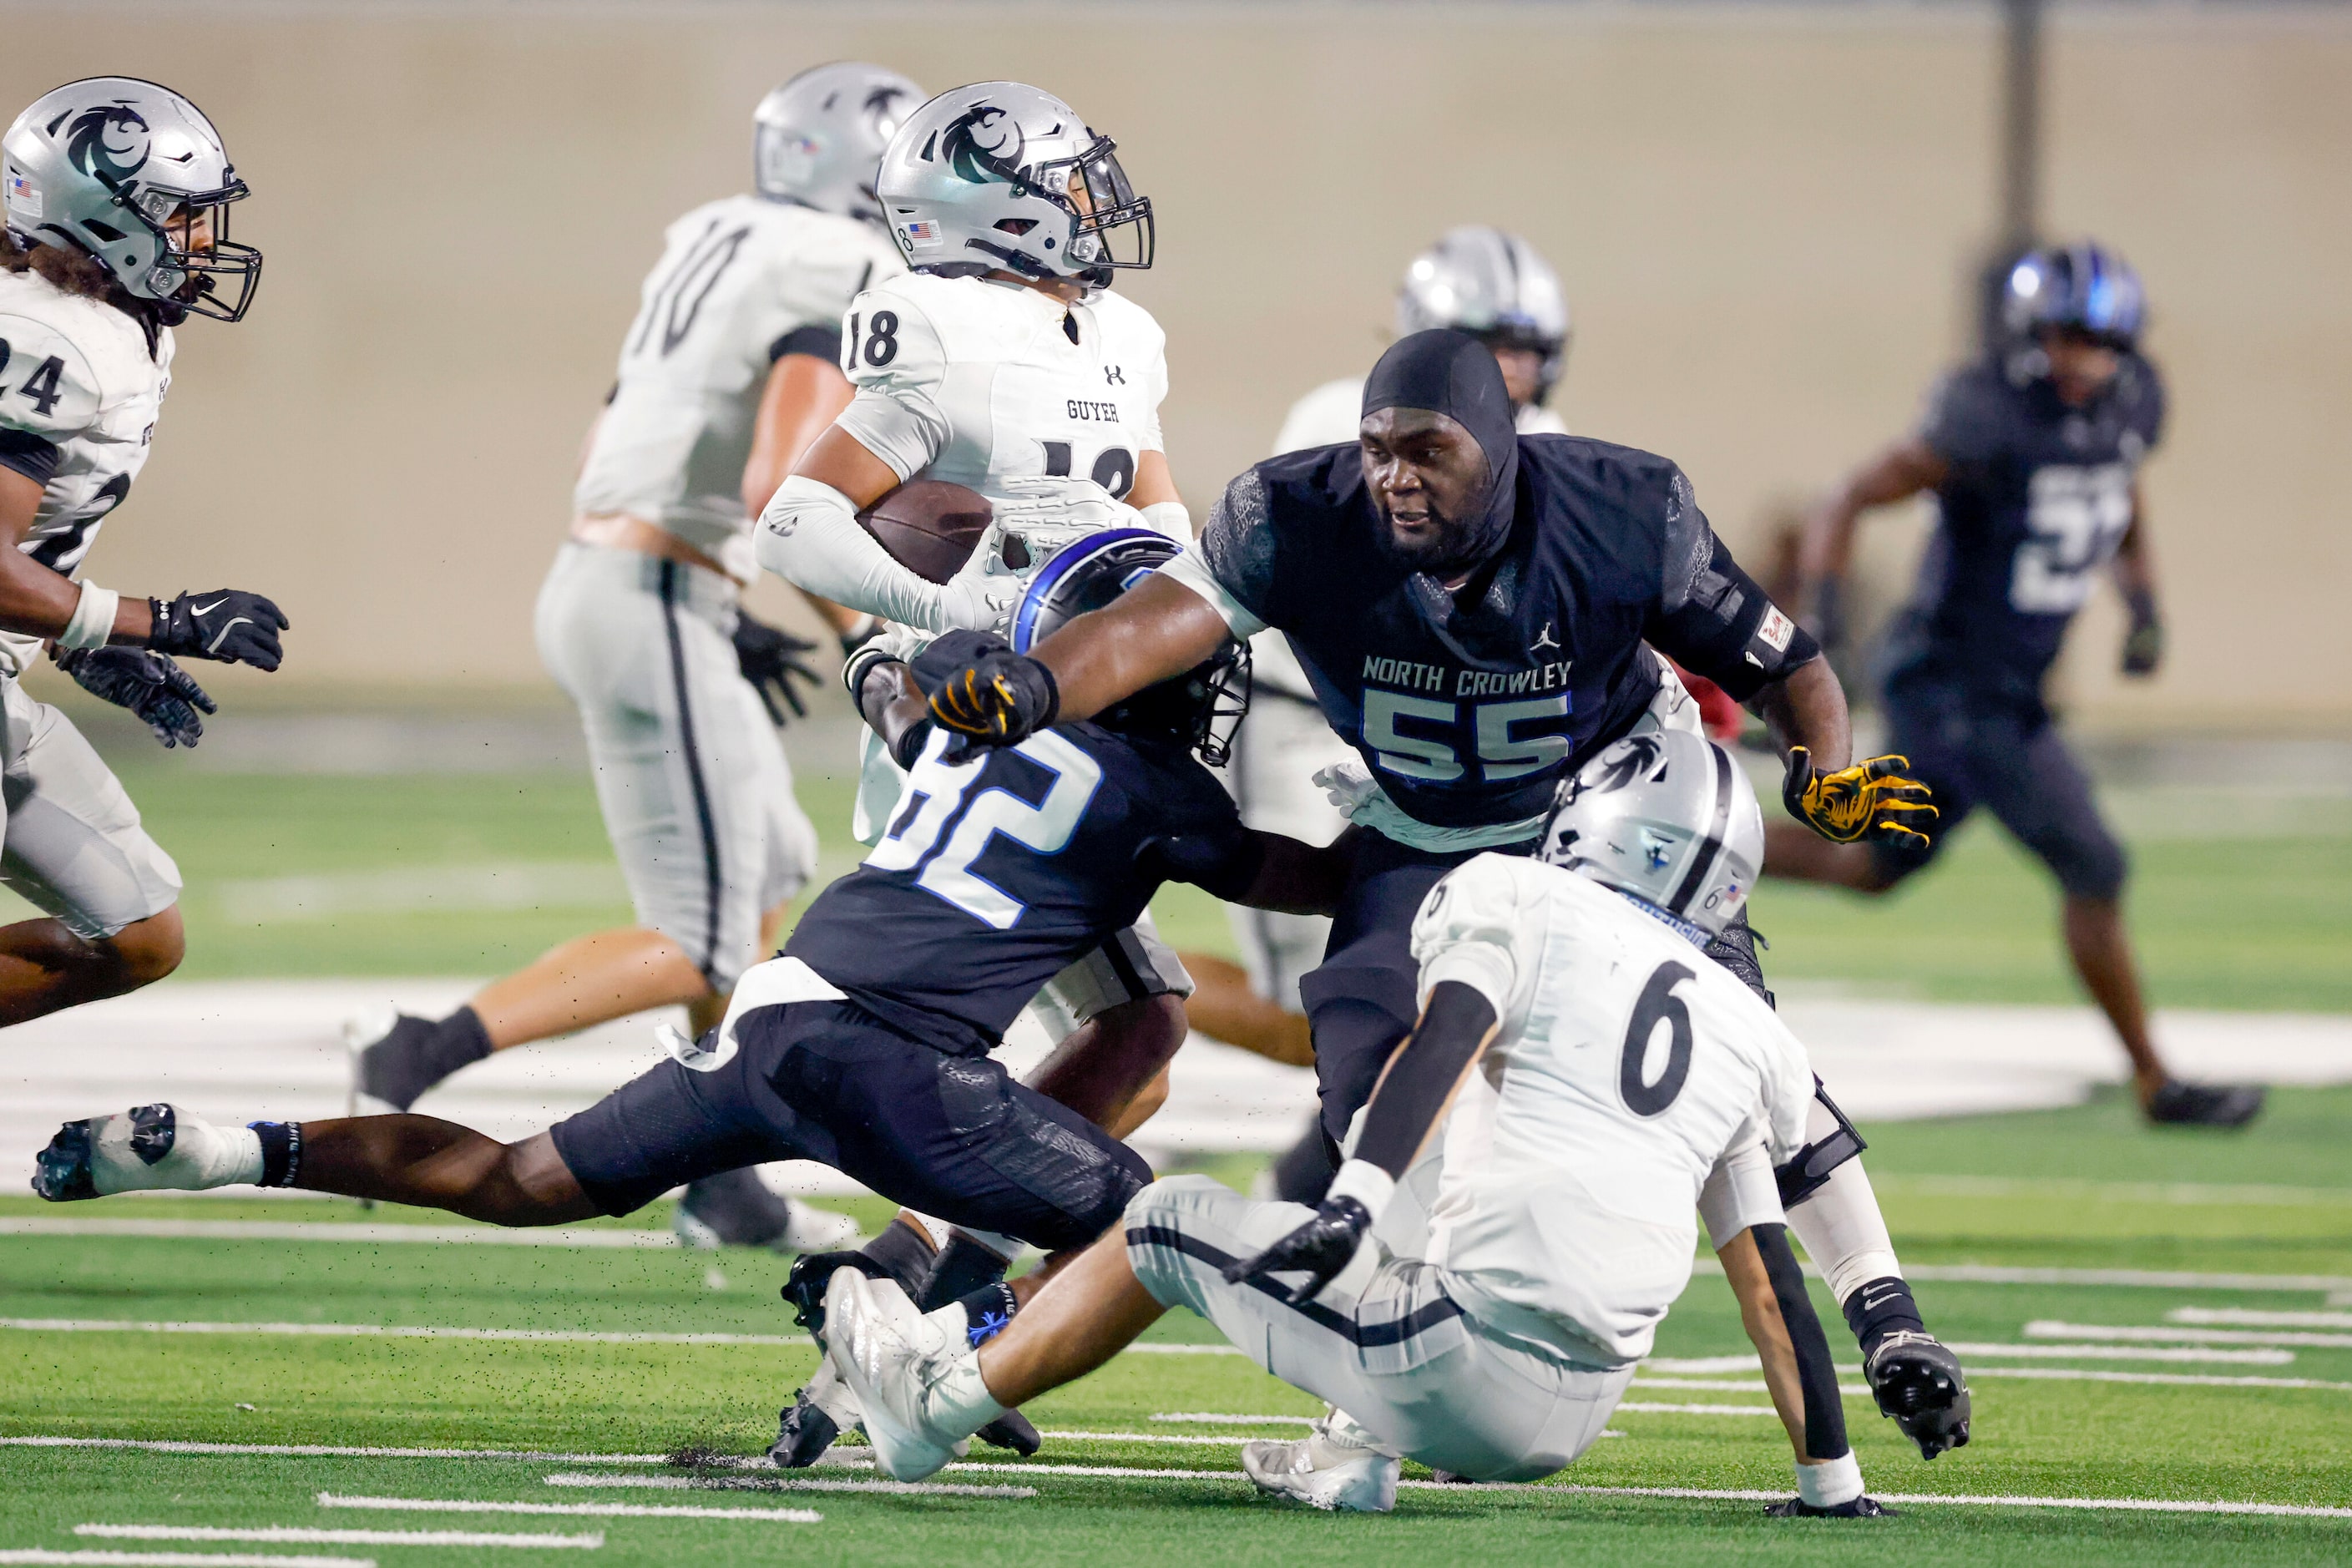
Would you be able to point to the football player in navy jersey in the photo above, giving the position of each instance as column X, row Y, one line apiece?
column 2033, row 454
column 867, row 1044
column 1470, row 606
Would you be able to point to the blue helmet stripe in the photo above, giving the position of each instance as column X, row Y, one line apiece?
column 1064, row 561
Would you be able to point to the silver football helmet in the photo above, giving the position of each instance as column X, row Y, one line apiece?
column 134, row 175
column 1494, row 286
column 1003, row 176
column 1669, row 817
column 818, row 139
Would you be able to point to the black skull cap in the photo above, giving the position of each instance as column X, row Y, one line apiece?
column 1455, row 374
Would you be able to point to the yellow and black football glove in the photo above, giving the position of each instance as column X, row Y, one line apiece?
column 1871, row 800
column 1000, row 698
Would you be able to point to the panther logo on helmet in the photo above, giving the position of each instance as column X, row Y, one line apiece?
column 1624, row 764
column 108, row 143
column 980, row 161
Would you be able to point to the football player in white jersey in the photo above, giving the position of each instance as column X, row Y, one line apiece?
column 1001, row 361
column 1597, row 1081
column 727, row 372
column 1496, row 287
column 117, row 198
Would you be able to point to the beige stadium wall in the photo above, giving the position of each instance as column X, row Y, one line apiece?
column 1766, row 217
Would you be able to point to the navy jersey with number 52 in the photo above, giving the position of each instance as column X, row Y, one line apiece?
column 999, row 871
column 2036, row 498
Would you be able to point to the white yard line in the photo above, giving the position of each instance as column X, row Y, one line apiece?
column 2120, row 1352
column 1662, row 1407
column 2086, row 1374
column 2152, row 1279
column 2170, row 1193
column 791, row 1484
column 2052, row 1329
column 1157, row 1348
column 336, row 1230
column 571, row 1509
column 1216, row 1418
column 332, row 1451
column 306, row 1535
column 391, row 1331
column 186, row 1559
column 2254, row 1317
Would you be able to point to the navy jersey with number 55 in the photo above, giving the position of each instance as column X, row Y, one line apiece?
column 2037, row 496
column 1000, row 870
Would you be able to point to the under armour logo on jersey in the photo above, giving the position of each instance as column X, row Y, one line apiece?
column 1544, row 639
column 1112, row 377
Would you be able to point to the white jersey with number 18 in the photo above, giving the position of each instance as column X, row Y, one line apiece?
column 1627, row 1067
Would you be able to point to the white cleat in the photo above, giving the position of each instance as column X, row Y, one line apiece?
column 1322, row 1473
column 149, row 1148
column 880, row 1343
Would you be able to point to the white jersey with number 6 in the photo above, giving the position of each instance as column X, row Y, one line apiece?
column 1628, row 1065
column 741, row 282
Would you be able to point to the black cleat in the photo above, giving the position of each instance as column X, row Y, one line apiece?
column 1917, row 1380
column 803, row 1432
column 2179, row 1104
column 805, row 1287
column 61, row 1171
column 1011, row 1430
column 1857, row 1508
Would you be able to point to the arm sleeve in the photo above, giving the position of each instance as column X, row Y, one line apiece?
column 1221, row 860
column 1468, row 931
column 1191, row 569
column 1740, row 1190
column 1713, row 620
column 816, row 341
column 898, row 365
column 809, row 536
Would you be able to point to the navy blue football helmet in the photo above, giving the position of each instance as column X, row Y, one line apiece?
column 1199, row 708
column 2085, row 288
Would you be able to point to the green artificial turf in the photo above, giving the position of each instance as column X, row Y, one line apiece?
column 2257, row 914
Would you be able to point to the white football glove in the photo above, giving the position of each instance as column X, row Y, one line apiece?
column 1046, row 513
column 974, row 604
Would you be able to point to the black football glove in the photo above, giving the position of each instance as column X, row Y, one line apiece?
column 769, row 657
column 1000, row 698
column 229, row 625
column 1872, row 799
column 149, row 684
column 1319, row 1249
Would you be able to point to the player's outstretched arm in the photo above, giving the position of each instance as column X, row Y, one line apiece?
column 1902, row 470
column 1787, row 1334
column 1296, row 878
column 1407, row 1104
column 228, row 626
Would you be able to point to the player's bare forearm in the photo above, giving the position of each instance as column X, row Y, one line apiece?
column 1826, row 551
column 1156, row 629
column 432, row 1163
column 1153, row 482
column 804, row 396
column 839, row 460
column 1807, row 708
column 1088, row 1313
column 1759, row 1314
column 891, row 703
column 36, row 601
column 1296, row 878
column 1104, row 1063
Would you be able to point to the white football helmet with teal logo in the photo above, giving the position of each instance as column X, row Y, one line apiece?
column 1493, row 286
column 125, row 170
column 818, row 139
column 1004, row 177
column 1669, row 817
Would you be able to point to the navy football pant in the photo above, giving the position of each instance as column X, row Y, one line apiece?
column 2012, row 763
column 1362, row 999
column 954, row 1137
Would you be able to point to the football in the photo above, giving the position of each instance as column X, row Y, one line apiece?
column 929, row 526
